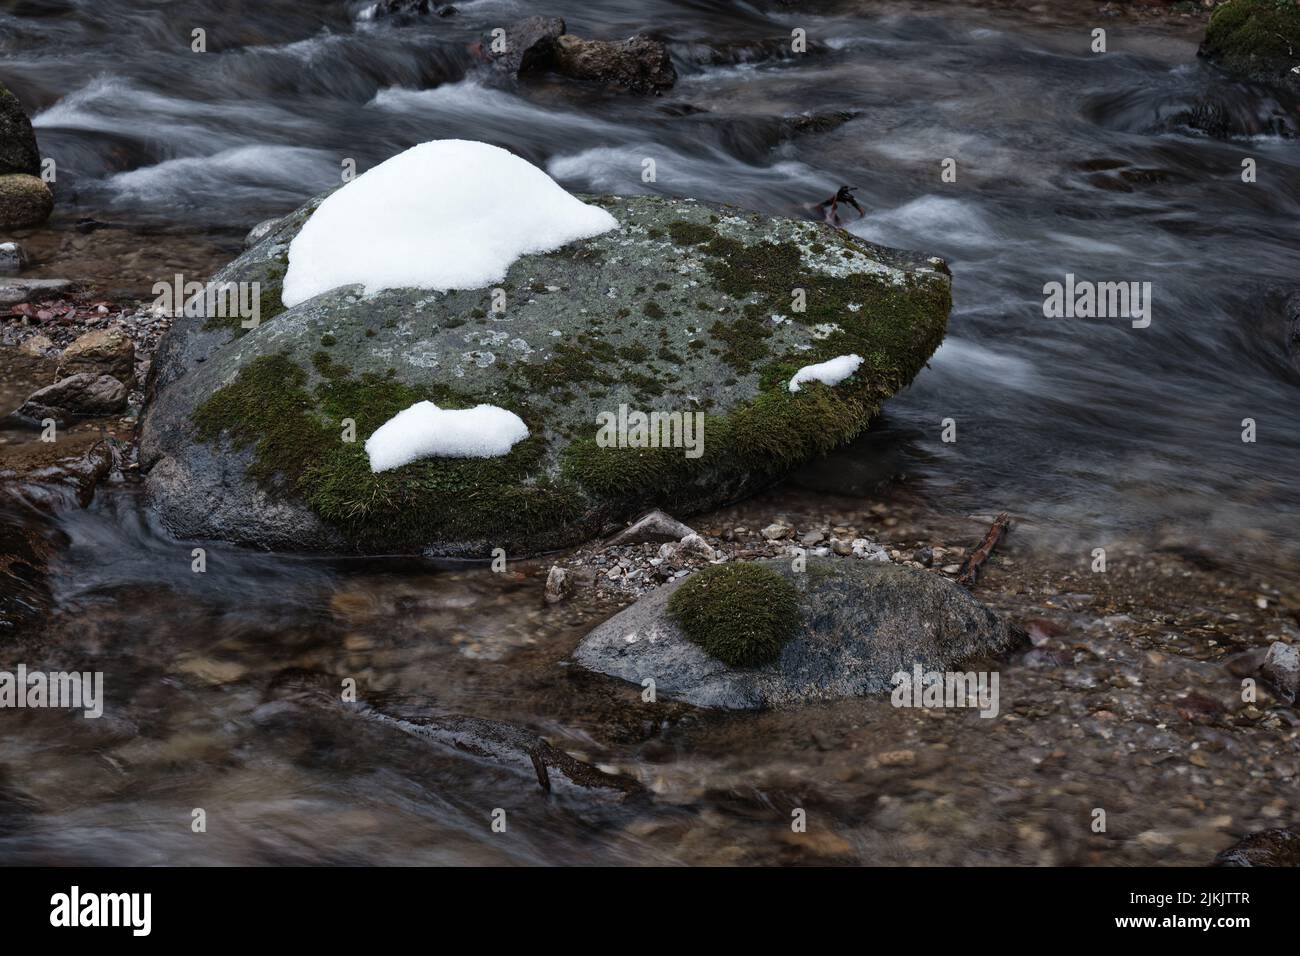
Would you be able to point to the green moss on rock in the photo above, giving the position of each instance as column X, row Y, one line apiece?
column 1255, row 37
column 296, row 433
column 740, row 613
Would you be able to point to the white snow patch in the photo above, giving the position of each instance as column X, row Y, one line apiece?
column 448, row 214
column 831, row 372
column 426, row 431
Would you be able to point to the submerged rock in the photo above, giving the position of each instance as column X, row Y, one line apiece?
column 1277, row 847
column 684, row 309
column 47, row 473
column 13, row 258
column 860, row 623
column 559, row 585
column 406, row 8
column 496, row 742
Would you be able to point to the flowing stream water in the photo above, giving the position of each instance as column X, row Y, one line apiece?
column 1068, row 162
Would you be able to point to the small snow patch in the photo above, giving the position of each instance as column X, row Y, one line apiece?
column 426, row 431
column 448, row 214
column 830, row 372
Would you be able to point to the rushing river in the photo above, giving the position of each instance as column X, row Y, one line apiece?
column 1067, row 162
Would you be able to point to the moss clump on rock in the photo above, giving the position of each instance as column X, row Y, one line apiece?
column 1259, row 38
column 296, row 435
column 742, row 614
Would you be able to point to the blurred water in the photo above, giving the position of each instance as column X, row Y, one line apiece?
column 1087, row 428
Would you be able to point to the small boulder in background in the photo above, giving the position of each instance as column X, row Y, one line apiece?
column 83, row 394
column 107, row 351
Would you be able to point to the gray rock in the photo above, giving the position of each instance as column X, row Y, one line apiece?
column 586, row 328
column 82, row 394
column 654, row 527
column 776, row 531
column 693, row 546
column 869, row 550
column 13, row 258
column 862, row 623
column 1282, row 669
column 18, row 291
column 18, row 152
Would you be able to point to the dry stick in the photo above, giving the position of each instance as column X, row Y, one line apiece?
column 970, row 572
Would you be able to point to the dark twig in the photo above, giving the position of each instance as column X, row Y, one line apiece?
column 971, row 569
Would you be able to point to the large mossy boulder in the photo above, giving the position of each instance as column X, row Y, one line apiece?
column 1256, row 39
column 858, row 624
column 25, row 200
column 18, row 152
column 684, row 307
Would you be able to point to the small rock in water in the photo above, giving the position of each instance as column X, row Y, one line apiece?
column 896, row 758
column 777, row 530
column 1282, row 669
column 862, row 548
column 559, row 585
column 12, row 258
column 38, row 346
